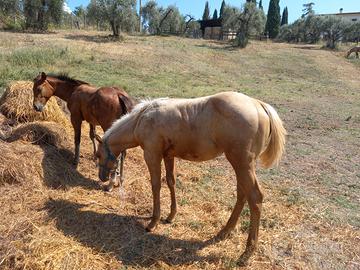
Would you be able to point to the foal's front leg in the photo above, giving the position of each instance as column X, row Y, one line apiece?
column 153, row 162
column 76, row 123
column 121, row 166
column 92, row 137
column 114, row 178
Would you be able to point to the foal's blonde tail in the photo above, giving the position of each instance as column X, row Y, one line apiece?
column 276, row 146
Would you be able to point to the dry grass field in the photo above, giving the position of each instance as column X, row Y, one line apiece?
column 53, row 217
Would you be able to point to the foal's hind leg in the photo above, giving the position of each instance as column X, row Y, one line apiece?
column 254, row 198
column 239, row 205
column 170, row 179
column 247, row 189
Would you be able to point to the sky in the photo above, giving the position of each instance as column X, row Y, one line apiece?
column 196, row 7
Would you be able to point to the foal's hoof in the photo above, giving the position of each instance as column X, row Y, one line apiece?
column 168, row 221
column 75, row 163
column 244, row 258
column 108, row 188
column 222, row 235
column 151, row 227
column 170, row 218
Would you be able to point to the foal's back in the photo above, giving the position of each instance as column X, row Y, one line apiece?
column 102, row 106
column 201, row 128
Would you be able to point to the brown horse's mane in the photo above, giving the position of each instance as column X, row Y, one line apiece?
column 66, row 78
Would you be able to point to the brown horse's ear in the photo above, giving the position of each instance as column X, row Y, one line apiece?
column 43, row 76
column 98, row 138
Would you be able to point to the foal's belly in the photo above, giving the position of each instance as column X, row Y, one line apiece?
column 199, row 152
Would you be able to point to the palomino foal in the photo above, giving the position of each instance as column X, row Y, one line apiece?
column 98, row 106
column 201, row 129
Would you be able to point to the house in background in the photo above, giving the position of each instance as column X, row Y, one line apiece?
column 348, row 16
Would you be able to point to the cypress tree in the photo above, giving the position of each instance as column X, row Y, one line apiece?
column 222, row 8
column 285, row 15
column 273, row 19
column 206, row 15
column 260, row 5
column 215, row 15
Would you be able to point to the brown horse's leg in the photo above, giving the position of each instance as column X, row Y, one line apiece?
column 153, row 162
column 76, row 123
column 92, row 137
column 357, row 54
column 170, row 179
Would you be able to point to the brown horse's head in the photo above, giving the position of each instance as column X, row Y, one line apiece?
column 107, row 161
column 42, row 92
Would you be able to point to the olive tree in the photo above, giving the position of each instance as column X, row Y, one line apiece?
column 247, row 21
column 120, row 14
column 158, row 20
column 334, row 30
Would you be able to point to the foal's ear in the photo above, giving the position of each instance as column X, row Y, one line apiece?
column 98, row 138
column 43, row 76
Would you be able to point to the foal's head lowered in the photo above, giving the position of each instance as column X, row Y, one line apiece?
column 107, row 161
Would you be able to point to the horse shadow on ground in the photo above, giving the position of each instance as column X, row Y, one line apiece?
column 224, row 47
column 308, row 47
column 95, row 38
column 123, row 236
column 60, row 173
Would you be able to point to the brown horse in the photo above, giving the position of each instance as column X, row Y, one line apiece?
column 200, row 129
column 100, row 106
column 355, row 50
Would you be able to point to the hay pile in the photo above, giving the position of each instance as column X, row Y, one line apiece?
column 17, row 103
column 49, row 133
column 17, row 162
column 20, row 159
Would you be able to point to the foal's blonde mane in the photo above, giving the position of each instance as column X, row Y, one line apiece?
column 141, row 107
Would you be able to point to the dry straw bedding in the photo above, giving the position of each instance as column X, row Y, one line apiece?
column 55, row 217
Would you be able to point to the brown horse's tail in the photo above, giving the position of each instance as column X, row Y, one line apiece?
column 276, row 146
column 126, row 103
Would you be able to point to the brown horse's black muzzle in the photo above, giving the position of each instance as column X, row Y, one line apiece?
column 38, row 107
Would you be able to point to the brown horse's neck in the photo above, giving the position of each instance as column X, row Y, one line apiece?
column 62, row 89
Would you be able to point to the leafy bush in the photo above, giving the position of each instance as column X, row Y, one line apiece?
column 312, row 29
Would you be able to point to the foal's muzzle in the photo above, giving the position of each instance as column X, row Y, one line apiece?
column 104, row 173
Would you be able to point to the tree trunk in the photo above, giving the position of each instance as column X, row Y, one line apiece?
column 115, row 28
column 140, row 13
column 162, row 21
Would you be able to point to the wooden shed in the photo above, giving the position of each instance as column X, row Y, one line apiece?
column 213, row 29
